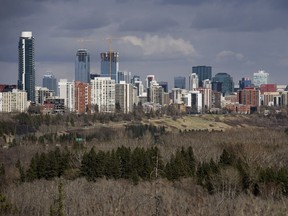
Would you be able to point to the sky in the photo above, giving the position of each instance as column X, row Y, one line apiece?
column 161, row 37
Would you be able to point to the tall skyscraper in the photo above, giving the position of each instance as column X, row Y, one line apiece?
column 49, row 81
column 203, row 72
column 26, row 65
column 82, row 66
column 180, row 82
column 110, row 65
column 260, row 77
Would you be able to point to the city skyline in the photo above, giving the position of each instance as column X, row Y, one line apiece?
column 149, row 40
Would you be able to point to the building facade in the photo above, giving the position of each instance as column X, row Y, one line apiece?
column 203, row 72
column 103, row 94
column 193, row 82
column 124, row 96
column 66, row 92
column 227, row 86
column 26, row 65
column 260, row 77
column 49, row 81
column 82, row 97
column 110, row 65
column 14, row 101
column 82, row 66
column 180, row 82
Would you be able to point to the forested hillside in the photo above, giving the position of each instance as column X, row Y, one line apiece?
column 153, row 165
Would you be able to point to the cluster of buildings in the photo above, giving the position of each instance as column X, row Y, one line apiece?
column 114, row 89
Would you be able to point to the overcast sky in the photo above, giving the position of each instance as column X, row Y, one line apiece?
column 161, row 37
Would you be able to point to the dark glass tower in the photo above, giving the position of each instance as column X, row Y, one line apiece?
column 82, row 66
column 26, row 65
column 110, row 65
column 180, row 82
column 203, row 72
column 50, row 82
column 227, row 83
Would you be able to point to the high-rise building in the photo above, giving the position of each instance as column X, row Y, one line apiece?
column 203, row 72
column 135, row 78
column 26, row 64
column 227, row 83
column 82, row 66
column 124, row 96
column 245, row 82
column 103, row 94
column 260, row 77
column 149, row 80
column 66, row 92
column 164, row 85
column 193, row 82
column 82, row 97
column 124, row 76
column 110, row 65
column 180, row 82
column 49, row 81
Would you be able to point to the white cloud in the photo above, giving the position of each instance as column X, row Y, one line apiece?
column 229, row 55
column 167, row 45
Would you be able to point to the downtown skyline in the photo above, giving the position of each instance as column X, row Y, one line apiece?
column 238, row 38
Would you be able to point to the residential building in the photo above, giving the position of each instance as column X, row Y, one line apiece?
column 26, row 64
column 103, row 94
column 13, row 101
column 249, row 96
column 124, row 96
column 66, row 92
column 82, row 97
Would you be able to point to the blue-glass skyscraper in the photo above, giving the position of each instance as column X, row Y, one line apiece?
column 203, row 72
column 180, row 82
column 26, row 65
column 110, row 65
column 50, row 82
column 82, row 66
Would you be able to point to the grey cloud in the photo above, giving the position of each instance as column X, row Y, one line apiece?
column 88, row 22
column 152, row 24
column 252, row 18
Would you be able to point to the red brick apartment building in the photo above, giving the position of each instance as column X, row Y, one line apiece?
column 249, row 97
column 82, row 97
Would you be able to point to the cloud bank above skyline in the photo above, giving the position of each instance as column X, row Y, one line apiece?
column 161, row 37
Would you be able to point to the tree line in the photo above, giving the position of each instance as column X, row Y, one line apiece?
column 230, row 174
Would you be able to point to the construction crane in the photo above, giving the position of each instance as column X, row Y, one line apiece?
column 84, row 40
column 109, row 40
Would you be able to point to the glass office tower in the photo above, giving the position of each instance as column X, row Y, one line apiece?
column 82, row 66
column 203, row 72
column 26, row 64
column 49, row 81
column 110, row 65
